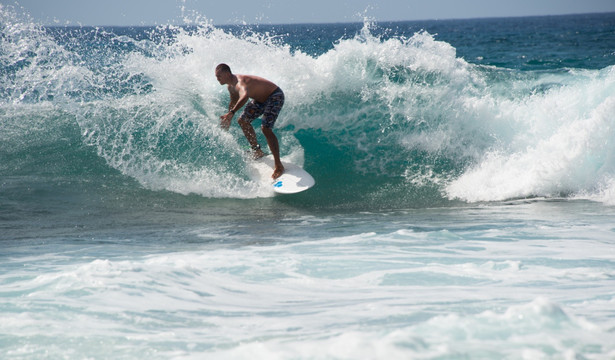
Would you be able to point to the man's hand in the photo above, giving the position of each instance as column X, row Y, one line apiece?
column 225, row 120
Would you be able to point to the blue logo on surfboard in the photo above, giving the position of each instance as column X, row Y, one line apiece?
column 278, row 184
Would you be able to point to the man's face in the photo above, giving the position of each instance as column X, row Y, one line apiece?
column 222, row 76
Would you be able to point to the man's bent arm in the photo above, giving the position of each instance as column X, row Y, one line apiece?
column 234, row 98
column 242, row 99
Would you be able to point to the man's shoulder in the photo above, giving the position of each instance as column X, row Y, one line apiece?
column 247, row 79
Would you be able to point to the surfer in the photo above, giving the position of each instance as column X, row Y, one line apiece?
column 267, row 100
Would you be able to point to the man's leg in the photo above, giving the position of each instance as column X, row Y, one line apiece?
column 248, row 131
column 274, row 147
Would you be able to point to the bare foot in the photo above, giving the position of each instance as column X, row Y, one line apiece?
column 278, row 172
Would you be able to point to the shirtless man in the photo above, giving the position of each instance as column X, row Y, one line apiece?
column 267, row 100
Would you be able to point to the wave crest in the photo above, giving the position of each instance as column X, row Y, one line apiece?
column 395, row 120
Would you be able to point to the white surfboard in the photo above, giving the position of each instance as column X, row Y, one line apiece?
column 293, row 180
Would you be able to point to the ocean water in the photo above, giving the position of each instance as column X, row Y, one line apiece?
column 464, row 205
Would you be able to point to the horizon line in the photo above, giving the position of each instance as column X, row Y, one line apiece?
column 338, row 22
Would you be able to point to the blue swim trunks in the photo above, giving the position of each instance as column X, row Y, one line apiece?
column 270, row 109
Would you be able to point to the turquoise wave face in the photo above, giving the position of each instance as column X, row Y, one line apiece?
column 379, row 118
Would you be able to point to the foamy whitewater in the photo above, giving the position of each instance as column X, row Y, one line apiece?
column 464, row 204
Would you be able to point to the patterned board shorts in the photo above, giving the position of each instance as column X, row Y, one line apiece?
column 270, row 109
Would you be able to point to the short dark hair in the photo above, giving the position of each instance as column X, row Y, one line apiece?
column 223, row 67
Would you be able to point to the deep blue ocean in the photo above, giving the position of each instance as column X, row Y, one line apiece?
column 464, row 205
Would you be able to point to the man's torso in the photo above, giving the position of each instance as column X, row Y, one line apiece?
column 256, row 87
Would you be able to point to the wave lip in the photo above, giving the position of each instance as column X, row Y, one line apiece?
column 567, row 150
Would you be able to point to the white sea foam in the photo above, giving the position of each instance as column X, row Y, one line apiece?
column 562, row 144
column 422, row 294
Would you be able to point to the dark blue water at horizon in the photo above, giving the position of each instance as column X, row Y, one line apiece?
column 540, row 42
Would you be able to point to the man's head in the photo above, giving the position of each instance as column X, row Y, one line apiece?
column 223, row 74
